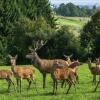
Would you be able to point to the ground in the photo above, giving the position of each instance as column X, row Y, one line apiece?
column 84, row 90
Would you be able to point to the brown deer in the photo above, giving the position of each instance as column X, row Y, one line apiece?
column 27, row 73
column 7, row 75
column 68, row 60
column 74, row 67
column 94, row 70
column 62, row 73
column 43, row 65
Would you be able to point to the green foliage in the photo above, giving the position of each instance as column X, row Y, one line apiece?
column 72, row 10
column 90, row 37
column 22, row 22
column 63, row 42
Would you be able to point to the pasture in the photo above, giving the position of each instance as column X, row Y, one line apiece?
column 75, row 22
column 84, row 90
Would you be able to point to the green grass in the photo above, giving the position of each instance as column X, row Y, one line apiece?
column 84, row 90
column 76, row 22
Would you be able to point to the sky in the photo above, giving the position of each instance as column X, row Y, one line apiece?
column 77, row 2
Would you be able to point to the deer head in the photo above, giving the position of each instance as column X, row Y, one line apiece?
column 13, row 60
column 97, row 61
column 37, row 45
column 68, row 57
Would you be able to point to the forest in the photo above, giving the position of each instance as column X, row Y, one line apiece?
column 23, row 22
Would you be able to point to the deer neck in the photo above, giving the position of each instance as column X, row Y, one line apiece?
column 37, row 61
column 13, row 67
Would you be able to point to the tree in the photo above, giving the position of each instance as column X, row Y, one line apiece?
column 90, row 37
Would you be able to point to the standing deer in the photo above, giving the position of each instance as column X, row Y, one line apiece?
column 94, row 70
column 62, row 73
column 43, row 65
column 73, row 67
column 7, row 75
column 27, row 73
column 68, row 60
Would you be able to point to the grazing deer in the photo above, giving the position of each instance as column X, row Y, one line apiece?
column 62, row 73
column 27, row 73
column 94, row 70
column 43, row 65
column 7, row 75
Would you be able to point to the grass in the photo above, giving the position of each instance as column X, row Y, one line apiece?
column 76, row 22
column 84, row 90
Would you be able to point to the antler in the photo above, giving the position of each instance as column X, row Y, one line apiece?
column 39, row 44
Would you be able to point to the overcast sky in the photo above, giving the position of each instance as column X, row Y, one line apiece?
column 77, row 2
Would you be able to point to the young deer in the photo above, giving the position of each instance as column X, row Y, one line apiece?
column 68, row 60
column 62, row 73
column 94, row 70
column 73, row 67
column 43, row 65
column 27, row 73
column 7, row 75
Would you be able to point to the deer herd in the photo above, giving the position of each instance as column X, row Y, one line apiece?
column 64, row 71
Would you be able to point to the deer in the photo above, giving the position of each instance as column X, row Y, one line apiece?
column 94, row 70
column 43, row 65
column 20, row 73
column 7, row 75
column 62, row 73
column 74, row 68
column 68, row 60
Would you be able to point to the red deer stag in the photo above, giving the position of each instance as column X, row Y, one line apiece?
column 43, row 65
column 7, row 75
column 94, row 70
column 27, row 73
column 62, row 73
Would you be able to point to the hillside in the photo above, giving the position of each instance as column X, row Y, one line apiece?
column 75, row 23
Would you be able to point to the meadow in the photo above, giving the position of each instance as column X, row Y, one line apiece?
column 84, row 90
column 75, row 22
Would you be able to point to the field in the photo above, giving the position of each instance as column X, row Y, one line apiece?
column 75, row 22
column 84, row 90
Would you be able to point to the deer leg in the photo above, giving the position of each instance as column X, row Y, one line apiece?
column 53, row 86
column 56, row 86
column 44, row 77
column 13, row 84
column 96, row 86
column 29, row 82
column 20, row 85
column 69, row 88
column 9, row 83
column 63, row 83
column 94, row 79
column 17, row 85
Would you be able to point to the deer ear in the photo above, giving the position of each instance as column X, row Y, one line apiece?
column 16, row 56
column 9, row 56
column 65, row 56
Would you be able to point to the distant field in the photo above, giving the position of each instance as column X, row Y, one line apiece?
column 76, row 22
column 84, row 90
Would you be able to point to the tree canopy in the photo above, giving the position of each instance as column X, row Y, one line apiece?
column 73, row 10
